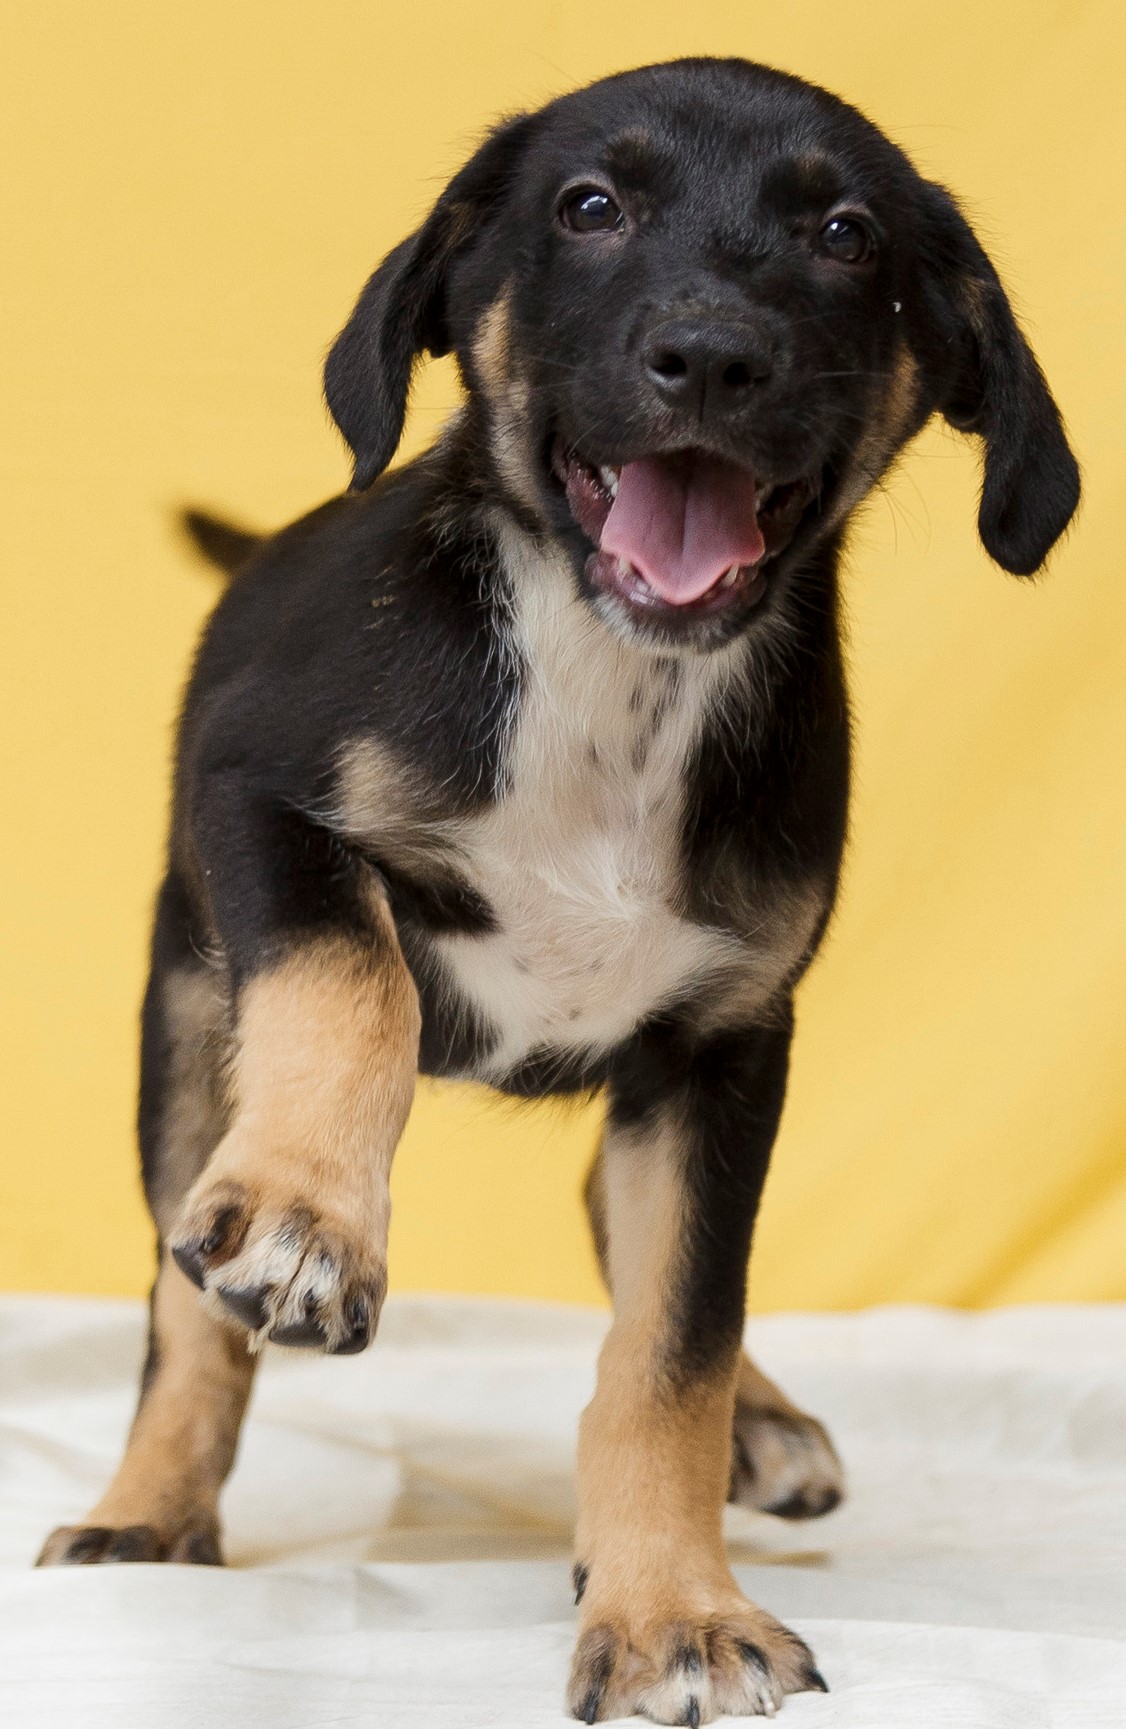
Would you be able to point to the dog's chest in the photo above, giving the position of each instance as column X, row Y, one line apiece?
column 581, row 859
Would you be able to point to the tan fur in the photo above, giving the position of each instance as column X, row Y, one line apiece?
column 323, row 1076
column 641, row 1442
column 784, row 1460
column 377, row 804
column 788, row 923
column 507, row 394
column 320, row 1065
column 654, row 1467
column 183, row 1439
column 888, row 428
column 782, row 1457
column 752, row 1387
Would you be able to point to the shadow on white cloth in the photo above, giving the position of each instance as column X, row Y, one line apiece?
column 399, row 1525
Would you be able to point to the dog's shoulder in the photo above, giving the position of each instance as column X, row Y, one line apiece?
column 376, row 616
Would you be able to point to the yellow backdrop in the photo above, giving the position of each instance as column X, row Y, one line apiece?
column 192, row 197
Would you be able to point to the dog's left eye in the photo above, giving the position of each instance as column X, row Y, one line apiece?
column 846, row 239
column 590, row 211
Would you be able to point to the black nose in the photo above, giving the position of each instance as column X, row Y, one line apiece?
column 707, row 366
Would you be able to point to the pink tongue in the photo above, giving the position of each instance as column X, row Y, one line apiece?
column 682, row 521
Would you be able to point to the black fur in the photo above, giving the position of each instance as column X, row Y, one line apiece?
column 728, row 1092
column 1030, row 485
column 224, row 543
column 384, row 614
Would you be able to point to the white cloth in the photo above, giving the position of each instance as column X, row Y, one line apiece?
column 399, row 1525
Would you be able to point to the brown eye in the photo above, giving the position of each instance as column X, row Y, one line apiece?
column 590, row 211
column 846, row 239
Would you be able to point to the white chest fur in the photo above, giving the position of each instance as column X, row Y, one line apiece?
column 580, row 859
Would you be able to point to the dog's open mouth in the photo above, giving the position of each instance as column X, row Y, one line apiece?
column 684, row 533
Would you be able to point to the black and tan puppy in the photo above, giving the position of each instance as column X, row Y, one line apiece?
column 529, row 764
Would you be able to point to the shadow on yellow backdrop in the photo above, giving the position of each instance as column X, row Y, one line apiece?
column 192, row 197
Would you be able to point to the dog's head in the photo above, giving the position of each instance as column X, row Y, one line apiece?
column 701, row 307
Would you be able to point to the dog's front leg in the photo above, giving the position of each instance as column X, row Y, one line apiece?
column 286, row 1228
column 665, row 1629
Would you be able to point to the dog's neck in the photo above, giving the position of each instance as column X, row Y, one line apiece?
column 587, row 669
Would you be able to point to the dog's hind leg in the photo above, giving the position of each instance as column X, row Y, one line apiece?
column 782, row 1460
column 163, row 1502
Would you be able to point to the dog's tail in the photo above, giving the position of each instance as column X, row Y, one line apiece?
column 224, row 544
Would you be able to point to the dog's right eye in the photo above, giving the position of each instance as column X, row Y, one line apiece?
column 589, row 210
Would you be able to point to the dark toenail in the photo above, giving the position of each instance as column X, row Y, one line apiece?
column 88, row 1544
column 216, row 1235
column 134, row 1543
column 249, row 1306
column 815, row 1682
column 803, row 1505
column 754, row 1655
column 579, row 1578
column 307, row 1333
column 358, row 1317
column 352, row 1345
column 191, row 1260
column 693, row 1717
column 199, row 1549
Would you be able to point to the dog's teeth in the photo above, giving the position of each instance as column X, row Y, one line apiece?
column 730, row 577
column 609, row 479
column 630, row 575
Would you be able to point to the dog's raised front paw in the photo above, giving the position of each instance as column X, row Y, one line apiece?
column 281, row 1268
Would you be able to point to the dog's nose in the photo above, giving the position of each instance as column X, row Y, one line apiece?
column 707, row 366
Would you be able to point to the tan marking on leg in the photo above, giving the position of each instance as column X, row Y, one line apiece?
column 321, row 1062
column 163, row 1504
column 665, row 1628
column 637, row 1439
column 291, row 1212
column 783, row 1460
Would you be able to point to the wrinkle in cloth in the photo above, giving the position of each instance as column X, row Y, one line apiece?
column 399, row 1525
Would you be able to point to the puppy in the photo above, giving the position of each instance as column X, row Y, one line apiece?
column 528, row 763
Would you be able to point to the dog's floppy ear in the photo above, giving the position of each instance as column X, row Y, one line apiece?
column 989, row 383
column 402, row 313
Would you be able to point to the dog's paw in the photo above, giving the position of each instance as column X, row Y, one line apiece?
column 280, row 1268
column 783, row 1462
column 196, row 1543
column 684, row 1668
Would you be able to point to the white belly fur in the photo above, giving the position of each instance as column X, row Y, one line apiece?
column 580, row 858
